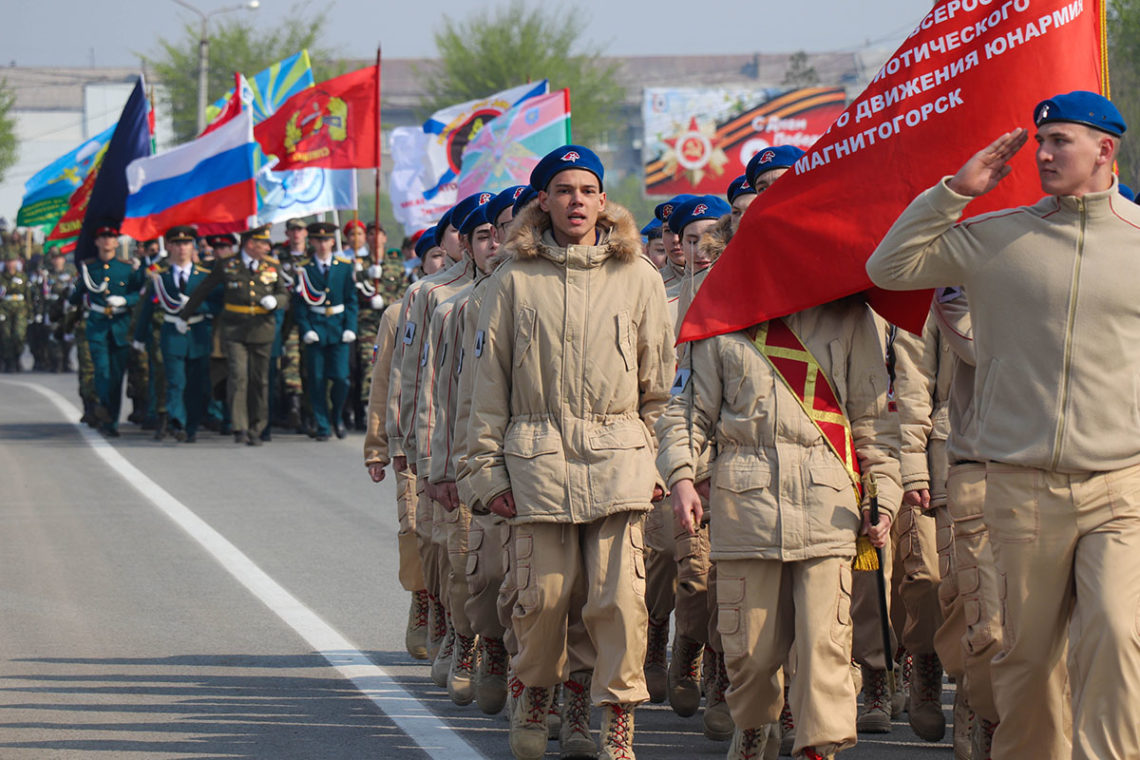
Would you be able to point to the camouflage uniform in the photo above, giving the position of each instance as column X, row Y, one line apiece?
column 392, row 283
column 291, row 383
column 58, row 350
column 14, row 305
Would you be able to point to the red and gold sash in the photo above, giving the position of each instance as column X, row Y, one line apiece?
column 805, row 378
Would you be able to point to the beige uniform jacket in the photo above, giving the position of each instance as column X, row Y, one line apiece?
column 376, row 437
column 467, row 329
column 1053, row 295
column 575, row 354
column 445, row 387
column 779, row 491
column 393, row 424
column 420, row 311
column 952, row 313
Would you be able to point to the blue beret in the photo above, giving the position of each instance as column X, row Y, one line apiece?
column 1081, row 107
column 477, row 217
column 738, row 187
column 664, row 210
column 1127, row 192
column 561, row 159
column 526, row 196
column 502, row 202
column 443, row 224
column 776, row 157
column 653, row 226
column 466, row 206
column 696, row 210
column 426, row 241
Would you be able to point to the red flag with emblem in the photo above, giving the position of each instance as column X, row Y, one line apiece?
column 971, row 71
column 331, row 125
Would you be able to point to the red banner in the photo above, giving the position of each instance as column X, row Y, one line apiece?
column 971, row 71
column 704, row 153
column 69, row 225
column 331, row 125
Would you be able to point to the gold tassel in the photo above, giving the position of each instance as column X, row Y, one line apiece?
column 866, row 558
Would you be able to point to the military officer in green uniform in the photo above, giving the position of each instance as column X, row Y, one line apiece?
column 185, row 343
column 325, row 311
column 108, row 288
column 253, row 290
column 14, row 303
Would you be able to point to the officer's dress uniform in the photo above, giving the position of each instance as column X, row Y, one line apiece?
column 247, row 333
column 1052, row 290
column 186, row 355
column 107, row 328
column 326, row 304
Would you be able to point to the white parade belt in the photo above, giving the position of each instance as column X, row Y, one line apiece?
column 327, row 311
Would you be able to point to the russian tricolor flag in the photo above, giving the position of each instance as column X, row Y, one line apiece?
column 210, row 179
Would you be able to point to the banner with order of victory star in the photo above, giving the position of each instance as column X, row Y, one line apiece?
column 699, row 140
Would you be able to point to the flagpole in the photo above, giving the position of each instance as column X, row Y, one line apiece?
column 379, row 143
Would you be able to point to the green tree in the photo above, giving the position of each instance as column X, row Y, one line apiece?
column 1124, row 64
column 799, row 73
column 492, row 50
column 7, row 128
column 235, row 45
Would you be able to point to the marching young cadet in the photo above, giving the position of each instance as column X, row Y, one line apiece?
column 325, row 309
column 432, row 257
column 108, row 288
column 740, row 195
column 449, row 528
column 786, row 508
column 574, row 369
column 252, row 291
column 376, row 459
column 654, row 245
column 185, row 343
column 1056, row 334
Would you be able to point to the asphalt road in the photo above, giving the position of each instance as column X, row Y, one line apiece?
column 220, row 601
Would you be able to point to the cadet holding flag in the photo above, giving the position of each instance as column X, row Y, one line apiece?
column 107, row 289
column 325, row 310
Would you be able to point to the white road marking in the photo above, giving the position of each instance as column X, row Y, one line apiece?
column 435, row 737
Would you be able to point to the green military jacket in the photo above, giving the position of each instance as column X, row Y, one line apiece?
column 246, row 319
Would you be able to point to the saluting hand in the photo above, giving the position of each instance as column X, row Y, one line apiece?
column 988, row 166
column 687, row 505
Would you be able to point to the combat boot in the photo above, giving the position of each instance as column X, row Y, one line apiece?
column 964, row 719
column 717, row 718
column 983, row 739
column 748, row 743
column 415, row 636
column 438, row 627
column 787, row 727
column 491, row 678
column 441, row 666
column 528, row 723
column 875, row 717
column 574, row 738
column 657, row 643
column 293, row 418
column 461, row 672
column 617, row 732
column 554, row 715
column 685, row 676
column 926, row 718
column 904, row 672
column 810, row 754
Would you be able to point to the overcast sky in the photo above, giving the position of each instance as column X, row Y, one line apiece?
column 114, row 32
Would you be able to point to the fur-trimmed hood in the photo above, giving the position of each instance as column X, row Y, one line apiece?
column 525, row 240
column 716, row 239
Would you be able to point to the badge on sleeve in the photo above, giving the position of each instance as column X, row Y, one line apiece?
column 442, row 354
column 680, row 381
column 409, row 333
column 947, row 294
column 424, row 355
column 459, row 362
column 480, row 338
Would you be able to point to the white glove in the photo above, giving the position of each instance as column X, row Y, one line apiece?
column 269, row 303
column 377, row 302
column 116, row 302
column 138, row 345
column 375, row 271
column 68, row 337
column 39, row 319
column 310, row 337
column 181, row 326
column 348, row 336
